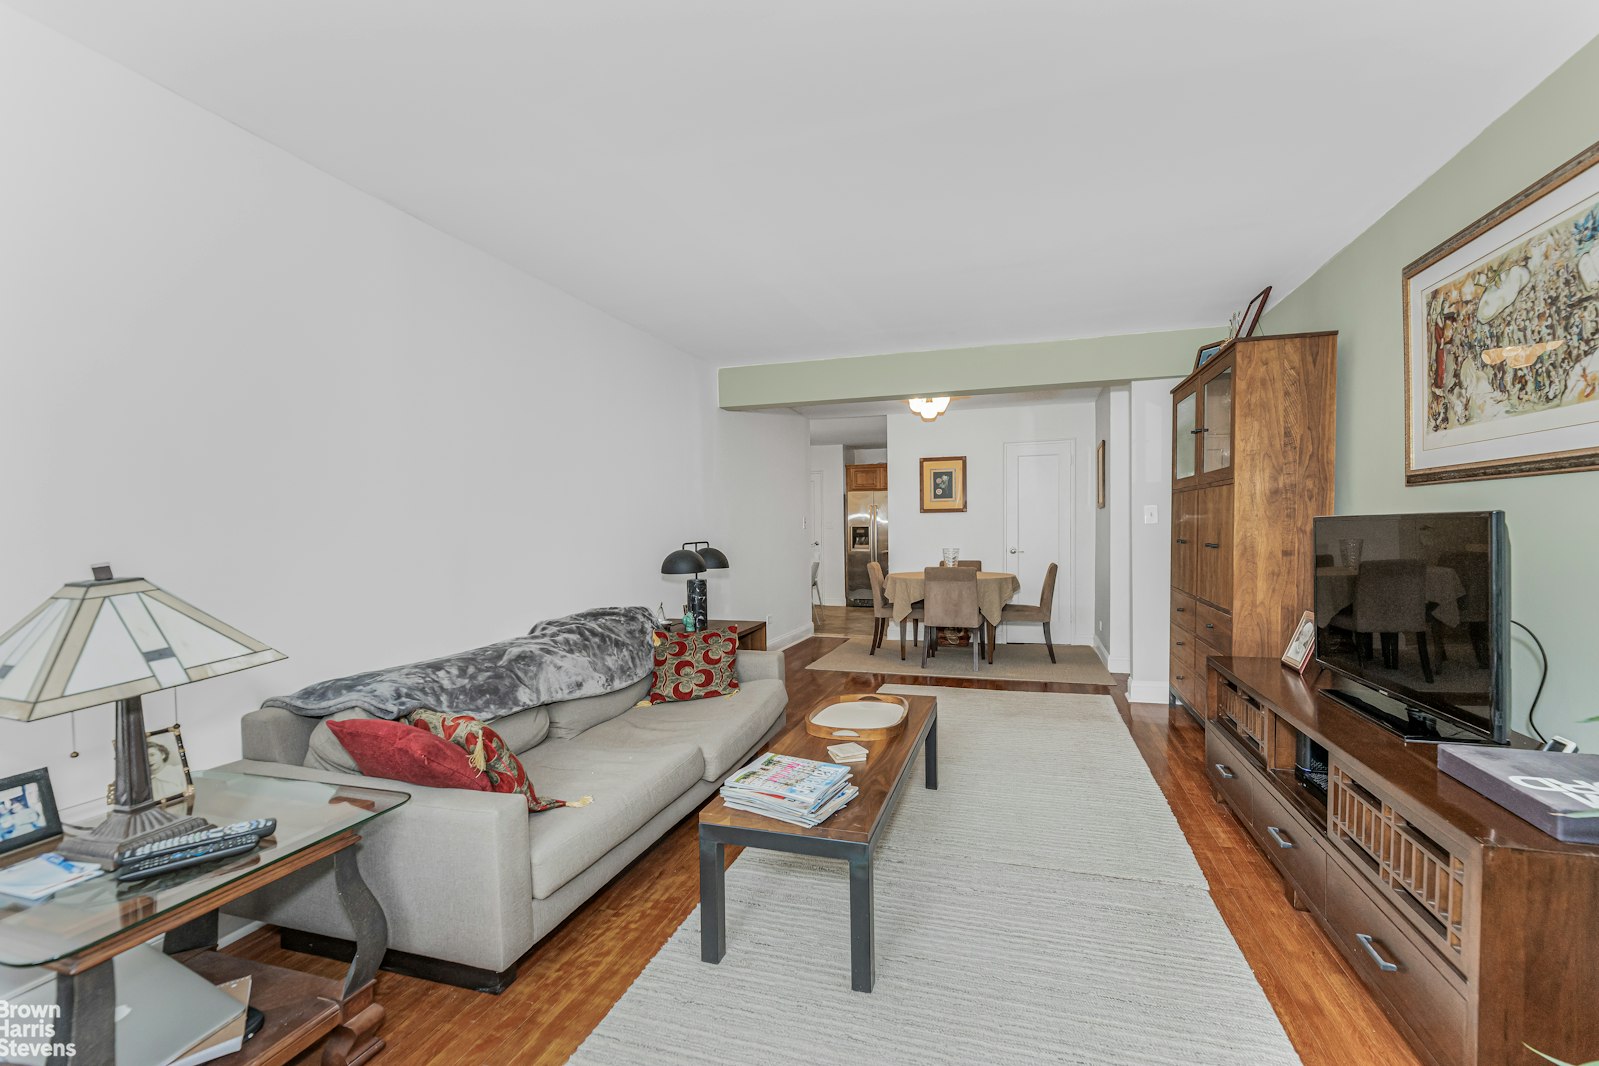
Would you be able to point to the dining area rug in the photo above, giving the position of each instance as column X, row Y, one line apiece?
column 1077, row 665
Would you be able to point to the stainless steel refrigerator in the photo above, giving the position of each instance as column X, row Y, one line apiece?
column 865, row 540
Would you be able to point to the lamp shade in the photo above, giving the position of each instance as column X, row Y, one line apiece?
column 714, row 558
column 683, row 561
column 95, row 642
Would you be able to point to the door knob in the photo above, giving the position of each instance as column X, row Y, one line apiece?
column 1016, row 551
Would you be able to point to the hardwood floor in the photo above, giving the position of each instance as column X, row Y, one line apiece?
column 570, row 980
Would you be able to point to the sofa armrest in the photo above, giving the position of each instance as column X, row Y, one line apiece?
column 273, row 734
column 445, row 854
column 755, row 665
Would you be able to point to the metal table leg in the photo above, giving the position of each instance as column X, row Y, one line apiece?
column 930, row 751
column 713, row 898
column 88, row 1003
column 366, row 917
column 862, row 930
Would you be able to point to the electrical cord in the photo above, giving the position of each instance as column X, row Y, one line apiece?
column 1544, row 676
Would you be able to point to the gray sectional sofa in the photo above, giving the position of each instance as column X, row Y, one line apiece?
column 470, row 880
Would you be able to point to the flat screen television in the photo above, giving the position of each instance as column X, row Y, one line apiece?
column 1413, row 619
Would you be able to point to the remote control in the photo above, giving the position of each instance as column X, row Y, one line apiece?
column 194, row 856
column 261, row 827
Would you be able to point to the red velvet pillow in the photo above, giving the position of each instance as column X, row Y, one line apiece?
column 396, row 751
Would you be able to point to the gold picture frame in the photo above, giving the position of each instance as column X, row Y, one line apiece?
column 1501, row 369
column 170, row 777
column 944, row 483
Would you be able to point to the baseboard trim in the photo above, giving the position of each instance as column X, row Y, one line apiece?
column 1148, row 691
column 792, row 637
column 401, row 962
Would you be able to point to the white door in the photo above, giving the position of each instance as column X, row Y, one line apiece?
column 1039, row 489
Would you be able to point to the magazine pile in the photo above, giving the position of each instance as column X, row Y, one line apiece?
column 798, row 791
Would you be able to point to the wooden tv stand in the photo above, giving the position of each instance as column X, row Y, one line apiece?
column 1475, row 931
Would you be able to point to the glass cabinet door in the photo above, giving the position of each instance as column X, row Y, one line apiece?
column 1216, row 450
column 1184, row 422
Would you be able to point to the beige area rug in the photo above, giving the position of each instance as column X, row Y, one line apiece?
column 1078, row 665
column 1040, row 908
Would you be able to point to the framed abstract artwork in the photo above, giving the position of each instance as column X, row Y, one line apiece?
column 944, row 483
column 1502, row 338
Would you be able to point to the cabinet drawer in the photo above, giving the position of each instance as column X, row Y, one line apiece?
column 1188, row 684
column 1202, row 652
column 1293, row 849
column 1182, row 610
column 1225, row 765
column 1397, row 969
column 1215, row 627
column 1183, row 647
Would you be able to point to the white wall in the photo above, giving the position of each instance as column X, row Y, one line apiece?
column 828, row 460
column 1149, row 485
column 981, row 434
column 1112, row 554
column 349, row 435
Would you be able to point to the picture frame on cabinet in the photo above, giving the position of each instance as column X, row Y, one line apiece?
column 1207, row 352
column 1303, row 645
column 1252, row 312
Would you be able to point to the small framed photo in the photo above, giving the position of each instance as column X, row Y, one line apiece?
column 27, row 810
column 1303, row 645
column 944, row 483
column 170, row 778
column 1209, row 352
column 1252, row 313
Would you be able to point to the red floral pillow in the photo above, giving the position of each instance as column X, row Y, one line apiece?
column 486, row 753
column 692, row 666
column 394, row 751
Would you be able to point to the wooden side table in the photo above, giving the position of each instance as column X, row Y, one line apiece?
column 81, row 929
column 751, row 633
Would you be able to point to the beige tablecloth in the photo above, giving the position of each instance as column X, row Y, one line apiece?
column 994, row 591
column 1336, row 591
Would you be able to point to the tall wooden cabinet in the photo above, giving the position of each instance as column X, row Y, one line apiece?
column 1252, row 463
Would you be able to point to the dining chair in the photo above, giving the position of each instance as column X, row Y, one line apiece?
column 883, row 610
column 1039, row 612
column 974, row 564
column 949, row 601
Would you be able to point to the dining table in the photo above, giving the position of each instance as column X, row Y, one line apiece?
column 904, row 589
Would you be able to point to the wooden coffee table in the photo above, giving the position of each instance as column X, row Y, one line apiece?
column 851, row 834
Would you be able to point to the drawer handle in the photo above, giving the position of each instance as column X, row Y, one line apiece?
column 1179, row 643
column 1181, row 610
column 1197, row 432
column 1182, row 540
column 1210, row 625
column 1209, row 544
column 1376, row 956
column 1282, row 839
column 1225, row 771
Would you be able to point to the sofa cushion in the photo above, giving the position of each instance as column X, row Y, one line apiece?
column 573, row 717
column 723, row 729
column 693, row 666
column 632, row 776
column 486, row 753
column 524, row 729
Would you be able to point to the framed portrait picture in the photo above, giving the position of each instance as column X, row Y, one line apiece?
column 1209, row 352
column 170, row 777
column 944, row 483
column 1303, row 644
column 28, row 812
column 1502, row 338
column 1252, row 313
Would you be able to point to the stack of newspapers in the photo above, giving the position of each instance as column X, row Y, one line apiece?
column 798, row 791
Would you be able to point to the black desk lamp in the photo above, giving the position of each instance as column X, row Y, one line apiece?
column 695, row 557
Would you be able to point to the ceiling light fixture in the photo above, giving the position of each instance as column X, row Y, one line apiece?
column 929, row 407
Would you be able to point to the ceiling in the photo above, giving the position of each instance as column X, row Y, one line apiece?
column 791, row 179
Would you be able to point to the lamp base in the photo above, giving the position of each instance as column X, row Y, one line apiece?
column 699, row 602
column 124, row 829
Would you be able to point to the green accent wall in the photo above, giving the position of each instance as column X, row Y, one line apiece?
column 1552, row 519
column 1085, row 362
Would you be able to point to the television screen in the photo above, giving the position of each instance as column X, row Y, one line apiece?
column 1417, row 607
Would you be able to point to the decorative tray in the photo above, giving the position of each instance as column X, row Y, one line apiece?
column 862, row 717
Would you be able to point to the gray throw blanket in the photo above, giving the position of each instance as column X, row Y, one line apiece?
column 585, row 654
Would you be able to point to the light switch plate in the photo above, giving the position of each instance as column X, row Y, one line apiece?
column 1151, row 514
